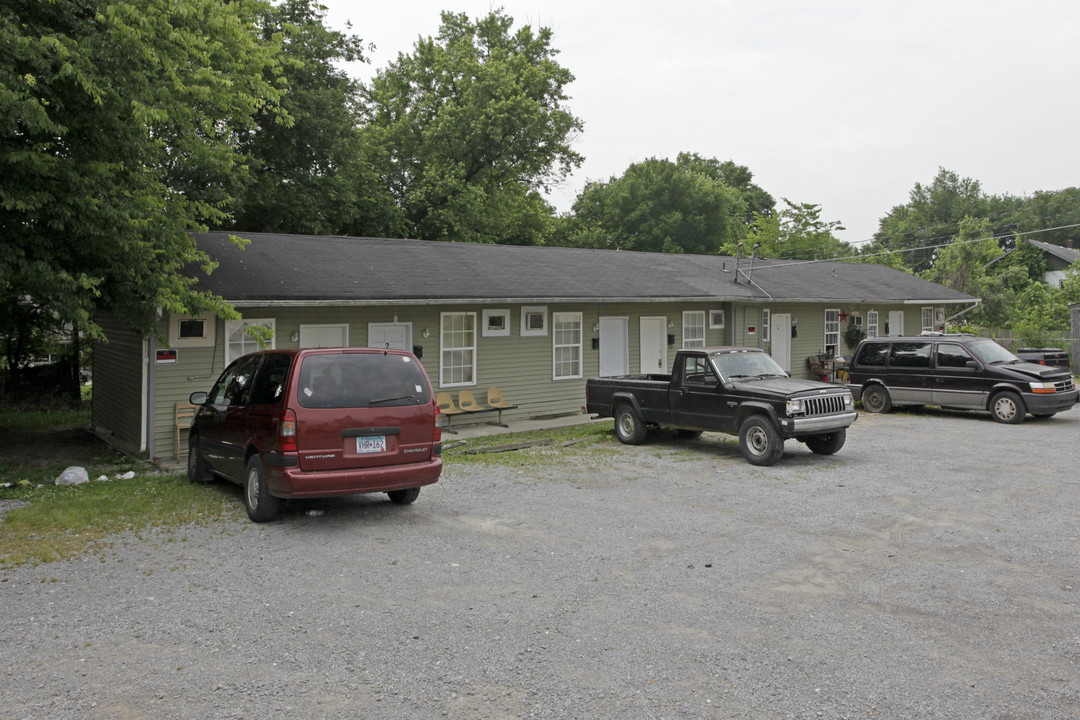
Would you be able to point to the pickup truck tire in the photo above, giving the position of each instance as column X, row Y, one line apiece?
column 628, row 426
column 759, row 442
column 875, row 399
column 827, row 444
column 1007, row 407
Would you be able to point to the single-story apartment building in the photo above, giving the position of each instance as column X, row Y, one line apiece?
column 534, row 322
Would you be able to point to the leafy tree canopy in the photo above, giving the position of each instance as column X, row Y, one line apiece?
column 931, row 216
column 796, row 232
column 758, row 202
column 311, row 176
column 120, row 124
column 467, row 129
column 659, row 206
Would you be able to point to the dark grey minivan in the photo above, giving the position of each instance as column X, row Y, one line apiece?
column 957, row 371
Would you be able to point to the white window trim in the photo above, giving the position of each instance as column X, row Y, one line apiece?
column 488, row 331
column 443, row 349
column 716, row 319
column 871, row 323
column 766, row 325
column 827, row 333
column 927, row 315
column 527, row 310
column 688, row 318
column 555, row 346
column 232, row 325
column 209, row 330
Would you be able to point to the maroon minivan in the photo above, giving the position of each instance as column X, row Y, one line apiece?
column 318, row 423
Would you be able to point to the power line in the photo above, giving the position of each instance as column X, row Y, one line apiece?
column 924, row 247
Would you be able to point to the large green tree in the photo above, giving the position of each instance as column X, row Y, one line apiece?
column 470, row 128
column 120, row 123
column 931, row 217
column 309, row 175
column 659, row 206
column 796, row 232
column 758, row 202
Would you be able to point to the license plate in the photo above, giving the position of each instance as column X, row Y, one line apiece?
column 371, row 444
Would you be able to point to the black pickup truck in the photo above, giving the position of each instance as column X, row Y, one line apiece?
column 733, row 390
column 1045, row 356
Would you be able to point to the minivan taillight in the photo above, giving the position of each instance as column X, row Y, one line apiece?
column 437, row 437
column 287, row 432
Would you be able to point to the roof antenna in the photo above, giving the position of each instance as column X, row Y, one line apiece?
column 738, row 251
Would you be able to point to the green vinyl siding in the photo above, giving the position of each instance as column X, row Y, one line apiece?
column 520, row 366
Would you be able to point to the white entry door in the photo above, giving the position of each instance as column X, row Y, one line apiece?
column 780, row 334
column 653, row 345
column 317, row 336
column 614, row 346
column 896, row 323
column 396, row 336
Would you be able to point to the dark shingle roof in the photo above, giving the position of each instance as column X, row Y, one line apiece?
column 278, row 268
column 1066, row 254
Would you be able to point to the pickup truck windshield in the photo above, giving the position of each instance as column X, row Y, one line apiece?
column 746, row 364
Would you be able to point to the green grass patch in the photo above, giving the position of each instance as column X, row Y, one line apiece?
column 563, row 445
column 30, row 420
column 62, row 522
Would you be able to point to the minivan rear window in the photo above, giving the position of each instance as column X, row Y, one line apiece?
column 361, row 380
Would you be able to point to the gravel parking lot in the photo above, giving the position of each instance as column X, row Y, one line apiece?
column 931, row 569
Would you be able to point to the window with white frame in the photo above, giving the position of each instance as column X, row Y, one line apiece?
column 191, row 331
column 496, row 323
column 533, row 320
column 245, row 336
column 832, row 331
column 766, row 325
column 927, row 319
column 871, row 323
column 716, row 319
column 457, row 362
column 566, row 345
column 693, row 329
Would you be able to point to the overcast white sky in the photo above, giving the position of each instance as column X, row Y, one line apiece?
column 846, row 104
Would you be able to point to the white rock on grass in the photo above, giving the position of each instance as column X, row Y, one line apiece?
column 73, row 475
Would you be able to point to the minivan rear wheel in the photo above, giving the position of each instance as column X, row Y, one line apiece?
column 261, row 505
column 875, row 399
column 1007, row 407
column 404, row 497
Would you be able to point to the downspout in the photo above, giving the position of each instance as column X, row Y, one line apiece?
column 962, row 312
column 148, row 394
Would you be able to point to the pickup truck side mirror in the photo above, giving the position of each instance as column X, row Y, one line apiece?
column 197, row 398
column 971, row 364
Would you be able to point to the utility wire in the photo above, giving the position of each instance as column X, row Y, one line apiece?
column 913, row 249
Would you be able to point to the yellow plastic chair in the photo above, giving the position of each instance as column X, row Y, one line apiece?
column 498, row 402
column 467, row 402
column 447, row 408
